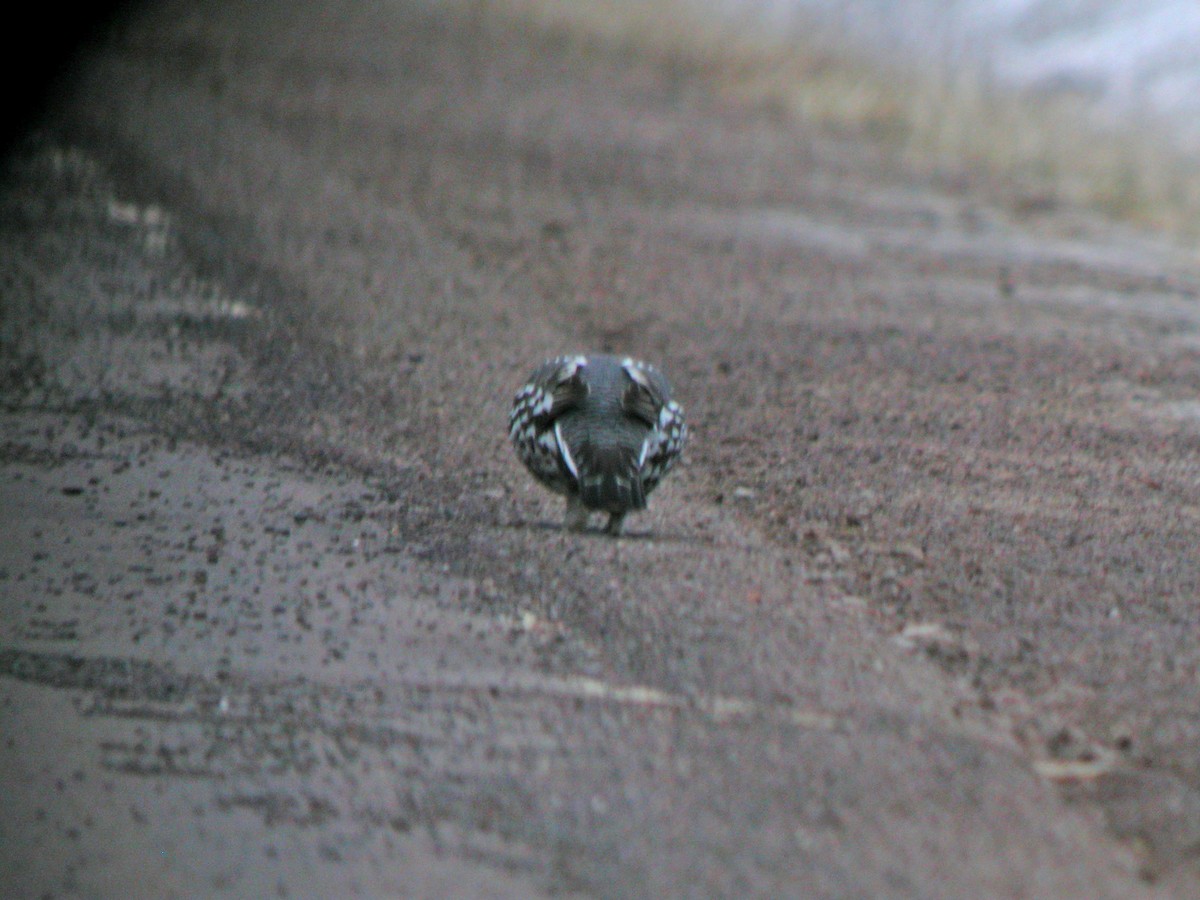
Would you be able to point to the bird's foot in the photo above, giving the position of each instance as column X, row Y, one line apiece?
column 615, row 521
column 577, row 515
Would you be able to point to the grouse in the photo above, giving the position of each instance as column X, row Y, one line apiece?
column 600, row 429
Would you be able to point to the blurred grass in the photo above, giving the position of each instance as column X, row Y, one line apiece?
column 1041, row 152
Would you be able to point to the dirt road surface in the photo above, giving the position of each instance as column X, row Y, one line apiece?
column 282, row 615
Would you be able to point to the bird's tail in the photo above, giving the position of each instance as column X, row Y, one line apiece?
column 610, row 479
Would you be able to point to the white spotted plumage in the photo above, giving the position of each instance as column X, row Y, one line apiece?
column 664, row 443
column 599, row 429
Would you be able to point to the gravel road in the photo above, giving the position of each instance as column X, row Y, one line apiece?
column 282, row 615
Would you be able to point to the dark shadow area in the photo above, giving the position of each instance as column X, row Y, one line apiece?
column 47, row 49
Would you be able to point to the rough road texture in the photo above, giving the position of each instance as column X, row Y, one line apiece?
column 282, row 615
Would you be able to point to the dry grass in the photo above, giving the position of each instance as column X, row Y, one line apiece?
column 1052, row 149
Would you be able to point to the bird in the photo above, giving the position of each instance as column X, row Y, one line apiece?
column 601, row 430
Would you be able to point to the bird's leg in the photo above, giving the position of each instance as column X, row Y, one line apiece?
column 615, row 521
column 577, row 514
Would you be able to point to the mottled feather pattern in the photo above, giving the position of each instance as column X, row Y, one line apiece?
column 600, row 429
column 545, row 397
column 664, row 445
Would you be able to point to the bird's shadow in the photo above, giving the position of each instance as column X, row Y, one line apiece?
column 668, row 537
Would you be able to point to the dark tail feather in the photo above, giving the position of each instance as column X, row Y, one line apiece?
column 610, row 481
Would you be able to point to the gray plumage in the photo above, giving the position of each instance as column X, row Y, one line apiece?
column 602, row 430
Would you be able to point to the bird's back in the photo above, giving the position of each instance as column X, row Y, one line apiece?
column 605, row 441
